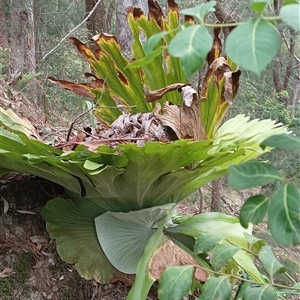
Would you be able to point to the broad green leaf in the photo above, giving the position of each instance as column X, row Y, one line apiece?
column 265, row 292
column 71, row 224
column 216, row 288
column 290, row 14
column 283, row 141
column 191, row 45
column 269, row 261
column 123, row 236
column 255, row 243
column 283, row 216
column 205, row 243
column 221, row 254
column 144, row 280
column 218, row 224
column 254, row 210
column 259, row 5
column 200, row 11
column 175, row 282
column 251, row 174
column 253, row 44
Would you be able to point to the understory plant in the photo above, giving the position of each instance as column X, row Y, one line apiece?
column 161, row 141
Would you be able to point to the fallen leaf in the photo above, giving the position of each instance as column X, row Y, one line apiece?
column 5, row 273
column 26, row 212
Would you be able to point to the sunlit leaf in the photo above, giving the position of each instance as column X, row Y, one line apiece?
column 255, row 243
column 269, row 261
column 290, row 14
column 285, row 210
column 253, row 44
column 205, row 243
column 265, row 292
column 259, row 5
column 221, row 255
column 283, row 141
column 216, row 288
column 251, row 174
column 191, row 45
column 200, row 11
column 254, row 210
column 175, row 282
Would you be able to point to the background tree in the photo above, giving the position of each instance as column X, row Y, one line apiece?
column 123, row 32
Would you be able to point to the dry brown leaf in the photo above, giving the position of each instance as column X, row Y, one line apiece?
column 170, row 255
column 158, row 94
column 189, row 95
column 183, row 120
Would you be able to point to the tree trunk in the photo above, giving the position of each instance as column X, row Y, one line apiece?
column 216, row 195
column 123, row 31
column 22, row 38
column 97, row 23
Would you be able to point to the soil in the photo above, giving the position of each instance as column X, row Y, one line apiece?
column 30, row 267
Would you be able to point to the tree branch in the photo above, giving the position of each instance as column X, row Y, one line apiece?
column 71, row 31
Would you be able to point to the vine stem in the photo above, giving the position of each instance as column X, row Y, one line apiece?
column 275, row 18
column 247, row 280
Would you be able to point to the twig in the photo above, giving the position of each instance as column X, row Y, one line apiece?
column 71, row 31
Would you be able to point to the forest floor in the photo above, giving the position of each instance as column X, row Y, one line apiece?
column 30, row 267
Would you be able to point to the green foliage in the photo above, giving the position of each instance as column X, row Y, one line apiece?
column 175, row 282
column 283, row 205
column 252, row 44
column 122, row 199
column 258, row 36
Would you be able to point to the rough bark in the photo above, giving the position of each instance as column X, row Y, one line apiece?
column 100, row 20
column 22, row 38
column 216, row 195
column 124, row 35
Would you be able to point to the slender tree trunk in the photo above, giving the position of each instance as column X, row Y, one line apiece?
column 22, row 38
column 123, row 31
column 97, row 22
column 216, row 195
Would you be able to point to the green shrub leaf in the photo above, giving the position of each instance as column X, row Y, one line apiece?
column 253, row 44
column 269, row 261
column 200, row 11
column 254, row 210
column 251, row 174
column 216, row 288
column 290, row 14
column 192, row 45
column 255, row 244
column 175, row 282
column 221, row 255
column 282, row 141
column 265, row 292
column 285, row 210
column 259, row 5
column 205, row 242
